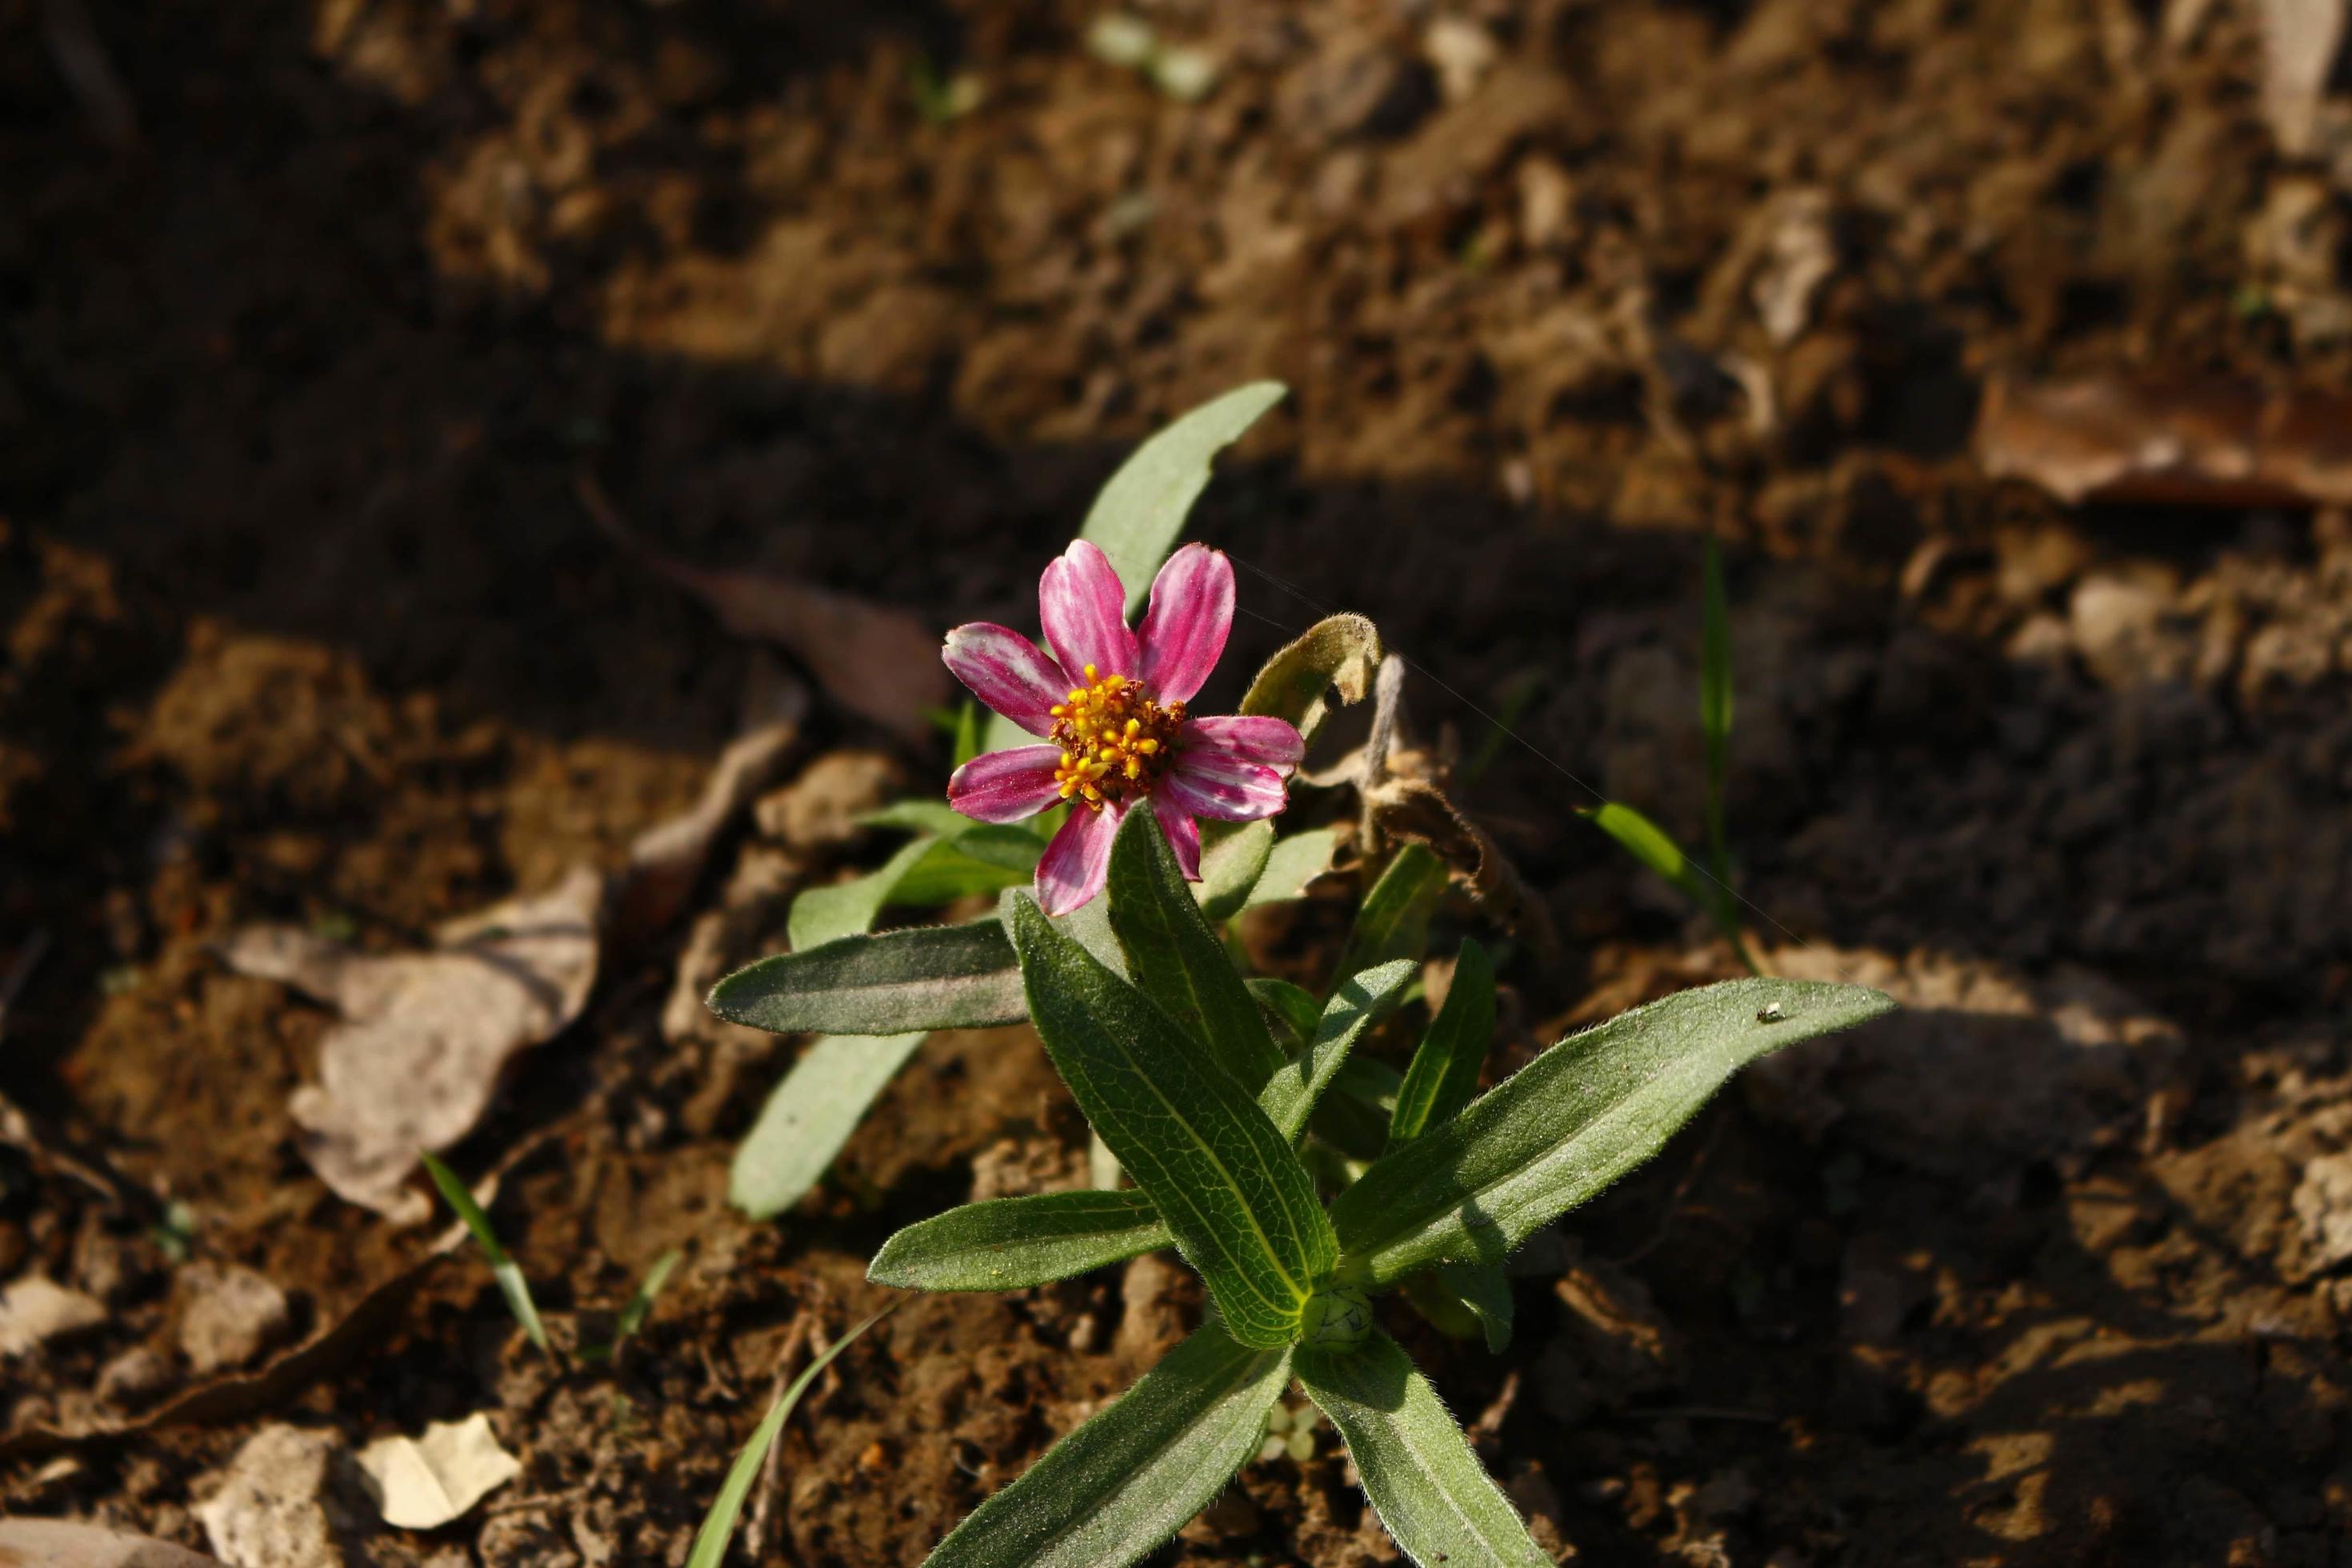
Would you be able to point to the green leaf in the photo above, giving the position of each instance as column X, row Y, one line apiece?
column 1573, row 1121
column 1291, row 865
column 1131, row 1477
column 926, row 978
column 820, row 915
column 1486, row 1289
column 935, row 817
column 1231, row 865
column 967, row 732
column 1361, row 1001
column 1715, row 688
column 1235, row 1195
column 1649, row 844
column 641, row 1304
column 1292, row 1007
column 710, row 1542
column 1443, row 1077
column 1426, row 1484
column 1140, row 514
column 1395, row 920
column 1011, row 1244
column 1353, row 1115
column 986, row 859
column 1174, row 957
column 512, row 1284
column 810, row 1115
column 1340, row 651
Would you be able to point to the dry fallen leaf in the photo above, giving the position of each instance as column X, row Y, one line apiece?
column 423, row 1483
column 2301, row 42
column 35, row 1309
column 882, row 663
column 2213, row 442
column 60, row 1544
column 665, row 860
column 425, row 1036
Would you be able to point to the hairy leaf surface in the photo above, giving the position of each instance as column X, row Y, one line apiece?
column 809, row 1117
column 1443, row 1077
column 1131, row 1476
column 1361, row 1001
column 1010, row 1243
column 1572, row 1121
column 928, row 977
column 1174, row 957
column 1223, row 1177
column 1431, row 1496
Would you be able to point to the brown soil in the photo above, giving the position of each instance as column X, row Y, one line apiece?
column 304, row 622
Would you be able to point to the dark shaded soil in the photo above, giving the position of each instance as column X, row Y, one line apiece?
column 305, row 623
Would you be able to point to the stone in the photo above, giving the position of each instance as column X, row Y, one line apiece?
column 37, row 1310
column 135, row 1378
column 232, row 1315
column 284, row 1501
column 2322, row 1205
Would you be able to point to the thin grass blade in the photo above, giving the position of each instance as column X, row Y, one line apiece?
column 512, row 1284
column 710, row 1542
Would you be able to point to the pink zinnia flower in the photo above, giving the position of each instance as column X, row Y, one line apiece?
column 1112, row 712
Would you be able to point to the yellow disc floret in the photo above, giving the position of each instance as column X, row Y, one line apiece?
column 1115, row 741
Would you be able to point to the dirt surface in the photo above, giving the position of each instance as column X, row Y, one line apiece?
column 305, row 623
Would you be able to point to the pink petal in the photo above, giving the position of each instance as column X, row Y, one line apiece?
column 1085, row 610
column 1184, row 630
column 1005, row 786
column 1074, row 865
column 1005, row 671
column 1207, row 783
column 1247, row 739
column 1183, row 834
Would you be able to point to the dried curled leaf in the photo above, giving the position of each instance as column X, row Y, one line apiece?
column 61, row 1544
column 2216, row 442
column 423, row 1483
column 425, row 1036
column 881, row 663
column 1339, row 653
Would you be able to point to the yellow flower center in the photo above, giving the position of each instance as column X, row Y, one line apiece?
column 1115, row 741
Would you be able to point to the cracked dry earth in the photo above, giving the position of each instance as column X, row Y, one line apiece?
column 304, row 624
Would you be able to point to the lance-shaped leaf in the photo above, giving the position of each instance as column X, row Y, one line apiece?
column 1010, row 1243
column 1231, row 865
column 1174, row 957
column 810, row 1115
column 1291, row 865
column 986, row 859
column 820, row 915
column 1361, row 1001
column 928, row 977
column 1443, row 1077
column 1235, row 1197
column 1486, row 1289
column 1573, row 1121
column 1339, row 653
column 1131, row 1477
column 1292, row 1007
column 1138, row 516
column 1650, row 844
column 1395, row 920
column 1424, row 1481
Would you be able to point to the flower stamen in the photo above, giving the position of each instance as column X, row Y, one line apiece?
column 1116, row 741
